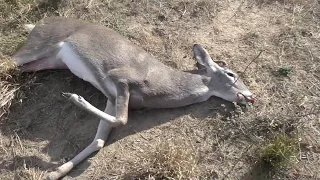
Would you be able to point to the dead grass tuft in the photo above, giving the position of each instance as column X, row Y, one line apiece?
column 14, row 14
column 8, row 85
column 30, row 174
column 167, row 161
column 11, row 82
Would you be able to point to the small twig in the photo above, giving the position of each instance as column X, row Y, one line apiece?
column 235, row 13
column 253, row 61
column 313, row 85
column 19, row 141
column 136, row 132
column 248, row 66
column 184, row 10
column 89, row 4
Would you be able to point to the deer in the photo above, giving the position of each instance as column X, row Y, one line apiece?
column 125, row 73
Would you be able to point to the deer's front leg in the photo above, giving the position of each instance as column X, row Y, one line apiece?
column 102, row 134
column 122, row 103
column 116, row 113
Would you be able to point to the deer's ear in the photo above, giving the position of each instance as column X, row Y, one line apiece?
column 203, row 58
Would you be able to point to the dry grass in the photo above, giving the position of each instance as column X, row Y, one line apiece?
column 8, row 88
column 222, row 138
column 167, row 161
column 14, row 14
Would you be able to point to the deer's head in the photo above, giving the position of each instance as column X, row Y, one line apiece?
column 224, row 83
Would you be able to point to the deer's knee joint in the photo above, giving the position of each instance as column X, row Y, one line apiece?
column 97, row 144
column 122, row 121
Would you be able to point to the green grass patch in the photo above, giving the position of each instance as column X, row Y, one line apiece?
column 281, row 152
column 284, row 71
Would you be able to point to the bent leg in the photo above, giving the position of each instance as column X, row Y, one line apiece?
column 43, row 64
column 121, row 105
column 102, row 134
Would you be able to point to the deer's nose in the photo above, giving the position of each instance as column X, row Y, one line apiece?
column 251, row 99
column 247, row 97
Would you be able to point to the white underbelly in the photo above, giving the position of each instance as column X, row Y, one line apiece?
column 76, row 65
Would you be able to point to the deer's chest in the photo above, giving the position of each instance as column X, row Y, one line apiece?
column 79, row 68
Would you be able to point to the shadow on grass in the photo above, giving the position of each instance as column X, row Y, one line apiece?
column 260, row 171
column 275, row 159
column 46, row 116
column 27, row 161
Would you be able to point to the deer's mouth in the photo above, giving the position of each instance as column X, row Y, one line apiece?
column 245, row 99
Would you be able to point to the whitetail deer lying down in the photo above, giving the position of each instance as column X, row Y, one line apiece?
column 125, row 73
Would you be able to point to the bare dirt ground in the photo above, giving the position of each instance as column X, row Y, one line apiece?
column 211, row 140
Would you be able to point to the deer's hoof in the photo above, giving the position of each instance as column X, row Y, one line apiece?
column 53, row 176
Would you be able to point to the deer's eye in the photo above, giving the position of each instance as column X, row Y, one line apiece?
column 230, row 74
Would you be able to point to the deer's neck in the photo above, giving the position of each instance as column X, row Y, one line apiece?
column 188, row 88
column 197, row 82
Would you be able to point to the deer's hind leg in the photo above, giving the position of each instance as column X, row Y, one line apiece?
column 43, row 64
column 31, row 58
